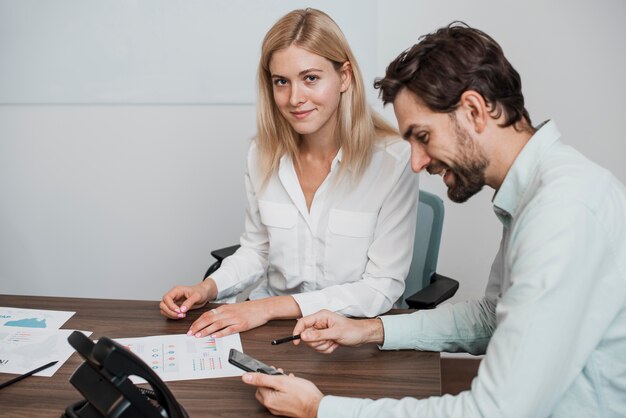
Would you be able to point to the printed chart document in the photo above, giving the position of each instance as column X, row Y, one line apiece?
column 184, row 357
column 33, row 318
column 23, row 349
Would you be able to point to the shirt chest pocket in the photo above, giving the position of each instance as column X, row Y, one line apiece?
column 281, row 220
column 348, row 239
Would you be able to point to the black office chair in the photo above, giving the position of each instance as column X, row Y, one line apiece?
column 424, row 288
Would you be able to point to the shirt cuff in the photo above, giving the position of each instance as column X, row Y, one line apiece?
column 223, row 283
column 394, row 331
column 309, row 302
column 340, row 407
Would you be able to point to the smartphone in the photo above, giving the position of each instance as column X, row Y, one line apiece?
column 249, row 364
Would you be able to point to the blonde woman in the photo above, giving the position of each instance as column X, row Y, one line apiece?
column 330, row 220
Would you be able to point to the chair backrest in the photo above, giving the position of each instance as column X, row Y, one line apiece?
column 430, row 213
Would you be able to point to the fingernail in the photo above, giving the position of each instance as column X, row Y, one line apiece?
column 180, row 315
column 189, row 332
column 247, row 377
column 198, row 335
column 184, row 308
column 177, row 310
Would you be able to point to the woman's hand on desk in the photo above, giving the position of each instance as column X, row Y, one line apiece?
column 229, row 319
column 238, row 317
column 286, row 395
column 324, row 331
column 181, row 299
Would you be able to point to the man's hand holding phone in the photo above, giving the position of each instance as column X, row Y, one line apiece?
column 288, row 396
column 282, row 395
column 324, row 331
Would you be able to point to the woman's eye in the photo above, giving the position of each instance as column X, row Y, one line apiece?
column 280, row 82
column 311, row 78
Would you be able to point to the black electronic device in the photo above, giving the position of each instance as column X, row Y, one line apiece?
column 249, row 364
column 104, row 381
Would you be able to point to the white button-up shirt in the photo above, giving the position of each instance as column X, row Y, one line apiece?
column 553, row 319
column 350, row 253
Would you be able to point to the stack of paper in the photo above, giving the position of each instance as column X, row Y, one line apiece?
column 30, row 338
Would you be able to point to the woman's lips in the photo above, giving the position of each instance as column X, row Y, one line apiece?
column 301, row 114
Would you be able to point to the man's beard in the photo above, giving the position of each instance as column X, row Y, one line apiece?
column 469, row 171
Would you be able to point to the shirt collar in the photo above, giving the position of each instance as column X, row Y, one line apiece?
column 520, row 175
column 337, row 159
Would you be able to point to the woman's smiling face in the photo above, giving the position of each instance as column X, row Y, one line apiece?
column 307, row 89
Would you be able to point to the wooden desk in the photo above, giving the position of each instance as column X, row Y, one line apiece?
column 359, row 372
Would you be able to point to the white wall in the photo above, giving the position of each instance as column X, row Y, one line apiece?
column 117, row 201
column 148, row 51
column 124, row 201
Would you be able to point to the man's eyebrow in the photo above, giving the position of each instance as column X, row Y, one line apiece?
column 409, row 131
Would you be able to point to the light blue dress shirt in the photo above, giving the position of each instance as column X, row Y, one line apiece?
column 553, row 319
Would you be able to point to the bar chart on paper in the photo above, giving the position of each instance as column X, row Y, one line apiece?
column 30, row 338
column 33, row 318
column 181, row 357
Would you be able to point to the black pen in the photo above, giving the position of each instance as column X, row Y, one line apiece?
column 25, row 375
column 286, row 339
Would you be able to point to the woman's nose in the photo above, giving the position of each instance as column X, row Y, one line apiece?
column 297, row 96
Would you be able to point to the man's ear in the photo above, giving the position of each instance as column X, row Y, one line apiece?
column 345, row 73
column 475, row 109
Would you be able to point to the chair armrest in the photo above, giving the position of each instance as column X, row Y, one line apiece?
column 440, row 289
column 220, row 255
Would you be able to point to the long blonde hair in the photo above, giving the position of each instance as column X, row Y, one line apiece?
column 358, row 126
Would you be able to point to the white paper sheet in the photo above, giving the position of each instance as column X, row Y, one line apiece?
column 184, row 357
column 33, row 318
column 23, row 349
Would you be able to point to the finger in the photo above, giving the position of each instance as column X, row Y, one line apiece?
column 193, row 300
column 318, row 344
column 167, row 313
column 233, row 329
column 169, row 300
column 306, row 322
column 261, row 380
column 209, row 323
column 318, row 335
column 260, row 395
column 324, row 349
column 267, row 397
column 332, row 347
column 323, row 346
column 200, row 324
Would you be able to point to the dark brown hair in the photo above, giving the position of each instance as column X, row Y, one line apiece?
column 450, row 61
